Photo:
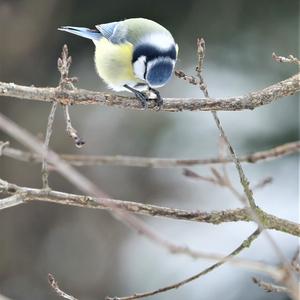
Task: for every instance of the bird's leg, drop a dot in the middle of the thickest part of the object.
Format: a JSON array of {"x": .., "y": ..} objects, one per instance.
[
  {"x": 158, "y": 100},
  {"x": 140, "y": 95}
]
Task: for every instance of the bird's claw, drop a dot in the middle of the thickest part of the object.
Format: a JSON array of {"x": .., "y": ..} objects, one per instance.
[
  {"x": 158, "y": 100},
  {"x": 143, "y": 99}
]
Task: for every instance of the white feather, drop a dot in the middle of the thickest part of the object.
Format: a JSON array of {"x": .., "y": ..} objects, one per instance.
[{"x": 139, "y": 67}]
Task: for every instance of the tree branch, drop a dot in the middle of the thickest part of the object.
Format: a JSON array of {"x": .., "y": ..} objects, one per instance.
[
  {"x": 235, "y": 215},
  {"x": 254, "y": 210},
  {"x": 87, "y": 186},
  {"x": 245, "y": 244},
  {"x": 53, "y": 283},
  {"x": 290, "y": 59},
  {"x": 153, "y": 162},
  {"x": 45, "y": 168},
  {"x": 252, "y": 100},
  {"x": 269, "y": 287}
]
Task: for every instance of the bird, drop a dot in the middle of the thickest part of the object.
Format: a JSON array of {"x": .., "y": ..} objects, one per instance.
[{"x": 136, "y": 55}]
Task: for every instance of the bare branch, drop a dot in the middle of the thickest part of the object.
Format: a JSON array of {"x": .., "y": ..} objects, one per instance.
[
  {"x": 253, "y": 209},
  {"x": 252, "y": 100},
  {"x": 245, "y": 244},
  {"x": 153, "y": 162},
  {"x": 84, "y": 184},
  {"x": 71, "y": 131},
  {"x": 290, "y": 59},
  {"x": 45, "y": 171},
  {"x": 53, "y": 283},
  {"x": 65, "y": 85},
  {"x": 215, "y": 217},
  {"x": 11, "y": 201},
  {"x": 269, "y": 287}
]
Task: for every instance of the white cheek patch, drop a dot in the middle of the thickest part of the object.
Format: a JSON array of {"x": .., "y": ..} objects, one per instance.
[{"x": 139, "y": 67}]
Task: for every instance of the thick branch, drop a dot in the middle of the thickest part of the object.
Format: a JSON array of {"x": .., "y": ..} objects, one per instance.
[
  {"x": 29, "y": 194},
  {"x": 281, "y": 89}
]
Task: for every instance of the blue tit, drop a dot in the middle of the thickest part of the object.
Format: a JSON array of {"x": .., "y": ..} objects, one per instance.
[{"x": 137, "y": 55}]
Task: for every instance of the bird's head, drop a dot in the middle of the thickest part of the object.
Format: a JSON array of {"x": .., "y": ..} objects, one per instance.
[{"x": 154, "y": 59}]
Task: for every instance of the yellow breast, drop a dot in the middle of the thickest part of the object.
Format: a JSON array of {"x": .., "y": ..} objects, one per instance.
[{"x": 113, "y": 63}]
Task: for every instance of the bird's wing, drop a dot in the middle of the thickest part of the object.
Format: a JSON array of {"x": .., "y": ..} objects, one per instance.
[
  {"x": 84, "y": 32},
  {"x": 113, "y": 32}
]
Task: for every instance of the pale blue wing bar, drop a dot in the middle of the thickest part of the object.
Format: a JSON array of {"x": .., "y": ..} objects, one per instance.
[{"x": 113, "y": 32}]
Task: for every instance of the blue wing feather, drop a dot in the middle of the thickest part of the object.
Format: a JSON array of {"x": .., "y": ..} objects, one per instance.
[
  {"x": 83, "y": 32},
  {"x": 107, "y": 30},
  {"x": 114, "y": 33}
]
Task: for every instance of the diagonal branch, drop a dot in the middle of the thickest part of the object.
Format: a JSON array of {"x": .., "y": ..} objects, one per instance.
[
  {"x": 254, "y": 210},
  {"x": 245, "y": 244},
  {"x": 252, "y": 100},
  {"x": 87, "y": 186},
  {"x": 53, "y": 283}
]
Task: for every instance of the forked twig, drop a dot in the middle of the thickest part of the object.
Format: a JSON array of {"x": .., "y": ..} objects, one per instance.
[
  {"x": 254, "y": 210},
  {"x": 66, "y": 84}
]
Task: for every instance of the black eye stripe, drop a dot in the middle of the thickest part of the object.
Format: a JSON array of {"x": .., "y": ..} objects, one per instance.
[
  {"x": 145, "y": 73},
  {"x": 151, "y": 52}
]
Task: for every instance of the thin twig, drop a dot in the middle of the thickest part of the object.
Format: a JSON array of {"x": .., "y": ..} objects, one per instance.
[
  {"x": 290, "y": 59},
  {"x": 245, "y": 244},
  {"x": 154, "y": 162},
  {"x": 254, "y": 210},
  {"x": 90, "y": 188},
  {"x": 45, "y": 169},
  {"x": 223, "y": 180},
  {"x": 72, "y": 132},
  {"x": 250, "y": 101},
  {"x": 214, "y": 217},
  {"x": 66, "y": 85},
  {"x": 53, "y": 283},
  {"x": 262, "y": 183},
  {"x": 269, "y": 287}
]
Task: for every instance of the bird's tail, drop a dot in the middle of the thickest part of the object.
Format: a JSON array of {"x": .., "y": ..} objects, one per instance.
[{"x": 84, "y": 32}]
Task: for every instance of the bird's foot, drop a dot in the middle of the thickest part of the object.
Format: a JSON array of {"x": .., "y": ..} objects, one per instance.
[
  {"x": 158, "y": 100},
  {"x": 139, "y": 95}
]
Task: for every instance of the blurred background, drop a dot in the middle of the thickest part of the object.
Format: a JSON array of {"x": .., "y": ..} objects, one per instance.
[{"x": 90, "y": 253}]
